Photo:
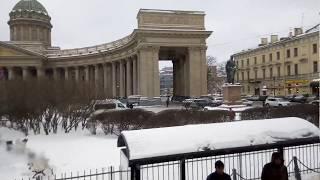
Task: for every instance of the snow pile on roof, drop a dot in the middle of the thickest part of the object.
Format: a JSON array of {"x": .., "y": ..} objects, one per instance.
[{"x": 193, "y": 138}]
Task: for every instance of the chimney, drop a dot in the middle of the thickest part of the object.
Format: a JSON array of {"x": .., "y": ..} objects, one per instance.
[
  {"x": 297, "y": 31},
  {"x": 264, "y": 41},
  {"x": 274, "y": 38}
]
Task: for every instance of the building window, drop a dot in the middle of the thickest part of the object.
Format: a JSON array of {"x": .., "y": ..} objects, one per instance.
[
  {"x": 278, "y": 55},
  {"x": 314, "y": 48},
  {"x": 237, "y": 62},
  {"x": 255, "y": 74},
  {"x": 270, "y": 57},
  {"x": 248, "y": 89},
  {"x": 263, "y": 58},
  {"x": 255, "y": 60},
  {"x": 248, "y": 74},
  {"x": 271, "y": 72},
  {"x": 248, "y": 63},
  {"x": 315, "y": 66},
  {"x": 278, "y": 71},
  {"x": 295, "y": 52},
  {"x": 242, "y": 76},
  {"x": 288, "y": 70},
  {"x": 288, "y": 53},
  {"x": 263, "y": 73},
  {"x": 242, "y": 63},
  {"x": 296, "y": 71}
]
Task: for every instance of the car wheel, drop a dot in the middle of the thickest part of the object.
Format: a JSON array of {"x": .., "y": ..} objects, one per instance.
[
  {"x": 267, "y": 105},
  {"x": 280, "y": 105}
]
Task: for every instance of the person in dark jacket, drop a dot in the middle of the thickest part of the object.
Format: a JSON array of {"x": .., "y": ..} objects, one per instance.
[
  {"x": 275, "y": 170},
  {"x": 219, "y": 173}
]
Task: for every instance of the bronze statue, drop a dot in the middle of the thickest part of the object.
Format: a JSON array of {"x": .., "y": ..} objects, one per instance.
[{"x": 231, "y": 70}]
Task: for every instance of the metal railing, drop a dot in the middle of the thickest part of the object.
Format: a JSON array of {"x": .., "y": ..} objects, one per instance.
[
  {"x": 246, "y": 165},
  {"x": 303, "y": 159}
]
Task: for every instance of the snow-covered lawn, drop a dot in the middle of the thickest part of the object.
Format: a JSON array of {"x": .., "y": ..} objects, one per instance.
[{"x": 76, "y": 151}]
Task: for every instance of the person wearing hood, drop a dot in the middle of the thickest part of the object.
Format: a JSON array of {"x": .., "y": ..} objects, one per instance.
[{"x": 275, "y": 170}]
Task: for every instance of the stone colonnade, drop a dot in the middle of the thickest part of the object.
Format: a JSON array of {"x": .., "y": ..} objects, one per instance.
[
  {"x": 113, "y": 79},
  {"x": 137, "y": 74}
]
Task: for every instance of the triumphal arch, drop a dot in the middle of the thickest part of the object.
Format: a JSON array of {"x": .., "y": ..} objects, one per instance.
[{"x": 128, "y": 66}]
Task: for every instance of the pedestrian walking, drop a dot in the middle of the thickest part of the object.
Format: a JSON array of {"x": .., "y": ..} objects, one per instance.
[
  {"x": 219, "y": 174},
  {"x": 168, "y": 101},
  {"x": 232, "y": 114},
  {"x": 275, "y": 170}
]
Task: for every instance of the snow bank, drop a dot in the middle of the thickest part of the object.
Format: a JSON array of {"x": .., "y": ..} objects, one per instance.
[
  {"x": 192, "y": 138},
  {"x": 7, "y": 134}
]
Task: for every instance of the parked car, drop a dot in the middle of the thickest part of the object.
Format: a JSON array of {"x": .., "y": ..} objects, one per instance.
[
  {"x": 134, "y": 100},
  {"x": 215, "y": 100},
  {"x": 297, "y": 98},
  {"x": 101, "y": 106},
  {"x": 247, "y": 102},
  {"x": 179, "y": 99},
  {"x": 276, "y": 102},
  {"x": 197, "y": 103},
  {"x": 315, "y": 102},
  {"x": 253, "y": 98}
]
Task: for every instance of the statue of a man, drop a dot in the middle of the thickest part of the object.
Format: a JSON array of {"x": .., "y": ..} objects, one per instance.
[{"x": 230, "y": 70}]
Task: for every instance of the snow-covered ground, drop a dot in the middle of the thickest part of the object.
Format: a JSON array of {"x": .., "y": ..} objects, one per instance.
[
  {"x": 76, "y": 151},
  {"x": 313, "y": 176}
]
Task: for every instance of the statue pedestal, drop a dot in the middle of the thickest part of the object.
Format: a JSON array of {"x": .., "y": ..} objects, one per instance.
[{"x": 232, "y": 94}]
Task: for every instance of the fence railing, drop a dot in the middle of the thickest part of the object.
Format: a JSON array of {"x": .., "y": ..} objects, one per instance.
[{"x": 299, "y": 160}]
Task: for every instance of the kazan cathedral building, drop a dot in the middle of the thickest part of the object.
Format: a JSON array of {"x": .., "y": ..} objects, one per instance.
[{"x": 128, "y": 66}]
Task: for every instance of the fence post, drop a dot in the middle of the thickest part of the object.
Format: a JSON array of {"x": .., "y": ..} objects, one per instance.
[
  {"x": 135, "y": 172},
  {"x": 183, "y": 169},
  {"x": 296, "y": 169},
  {"x": 234, "y": 174},
  {"x": 111, "y": 173}
]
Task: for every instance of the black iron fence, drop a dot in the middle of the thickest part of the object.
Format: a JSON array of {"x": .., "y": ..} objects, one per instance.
[{"x": 300, "y": 160}]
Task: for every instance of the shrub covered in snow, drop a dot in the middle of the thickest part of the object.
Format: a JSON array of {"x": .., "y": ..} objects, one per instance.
[
  {"x": 304, "y": 111},
  {"x": 45, "y": 105},
  {"x": 114, "y": 122}
]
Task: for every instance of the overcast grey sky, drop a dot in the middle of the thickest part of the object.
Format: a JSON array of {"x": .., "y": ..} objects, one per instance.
[{"x": 237, "y": 24}]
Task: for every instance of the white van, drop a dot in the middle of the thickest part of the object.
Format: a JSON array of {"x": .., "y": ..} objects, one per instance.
[{"x": 107, "y": 105}]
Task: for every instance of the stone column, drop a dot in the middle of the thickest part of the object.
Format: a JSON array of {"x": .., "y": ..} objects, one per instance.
[
  {"x": 196, "y": 80},
  {"x": 66, "y": 73},
  {"x": 134, "y": 76},
  {"x": 11, "y": 75},
  {"x": 114, "y": 80},
  {"x": 129, "y": 77},
  {"x": 105, "y": 79},
  {"x": 40, "y": 73},
  {"x": 204, "y": 70},
  {"x": 156, "y": 75},
  {"x": 121, "y": 79},
  {"x": 25, "y": 73},
  {"x": 174, "y": 77},
  {"x": 96, "y": 75},
  {"x": 77, "y": 73},
  {"x": 86, "y": 73},
  {"x": 55, "y": 73},
  {"x": 148, "y": 65}
]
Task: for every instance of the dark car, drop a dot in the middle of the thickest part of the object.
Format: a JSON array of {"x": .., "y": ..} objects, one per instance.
[
  {"x": 179, "y": 98},
  {"x": 297, "y": 99}
]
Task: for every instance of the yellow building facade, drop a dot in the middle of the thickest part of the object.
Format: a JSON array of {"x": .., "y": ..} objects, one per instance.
[{"x": 281, "y": 67}]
